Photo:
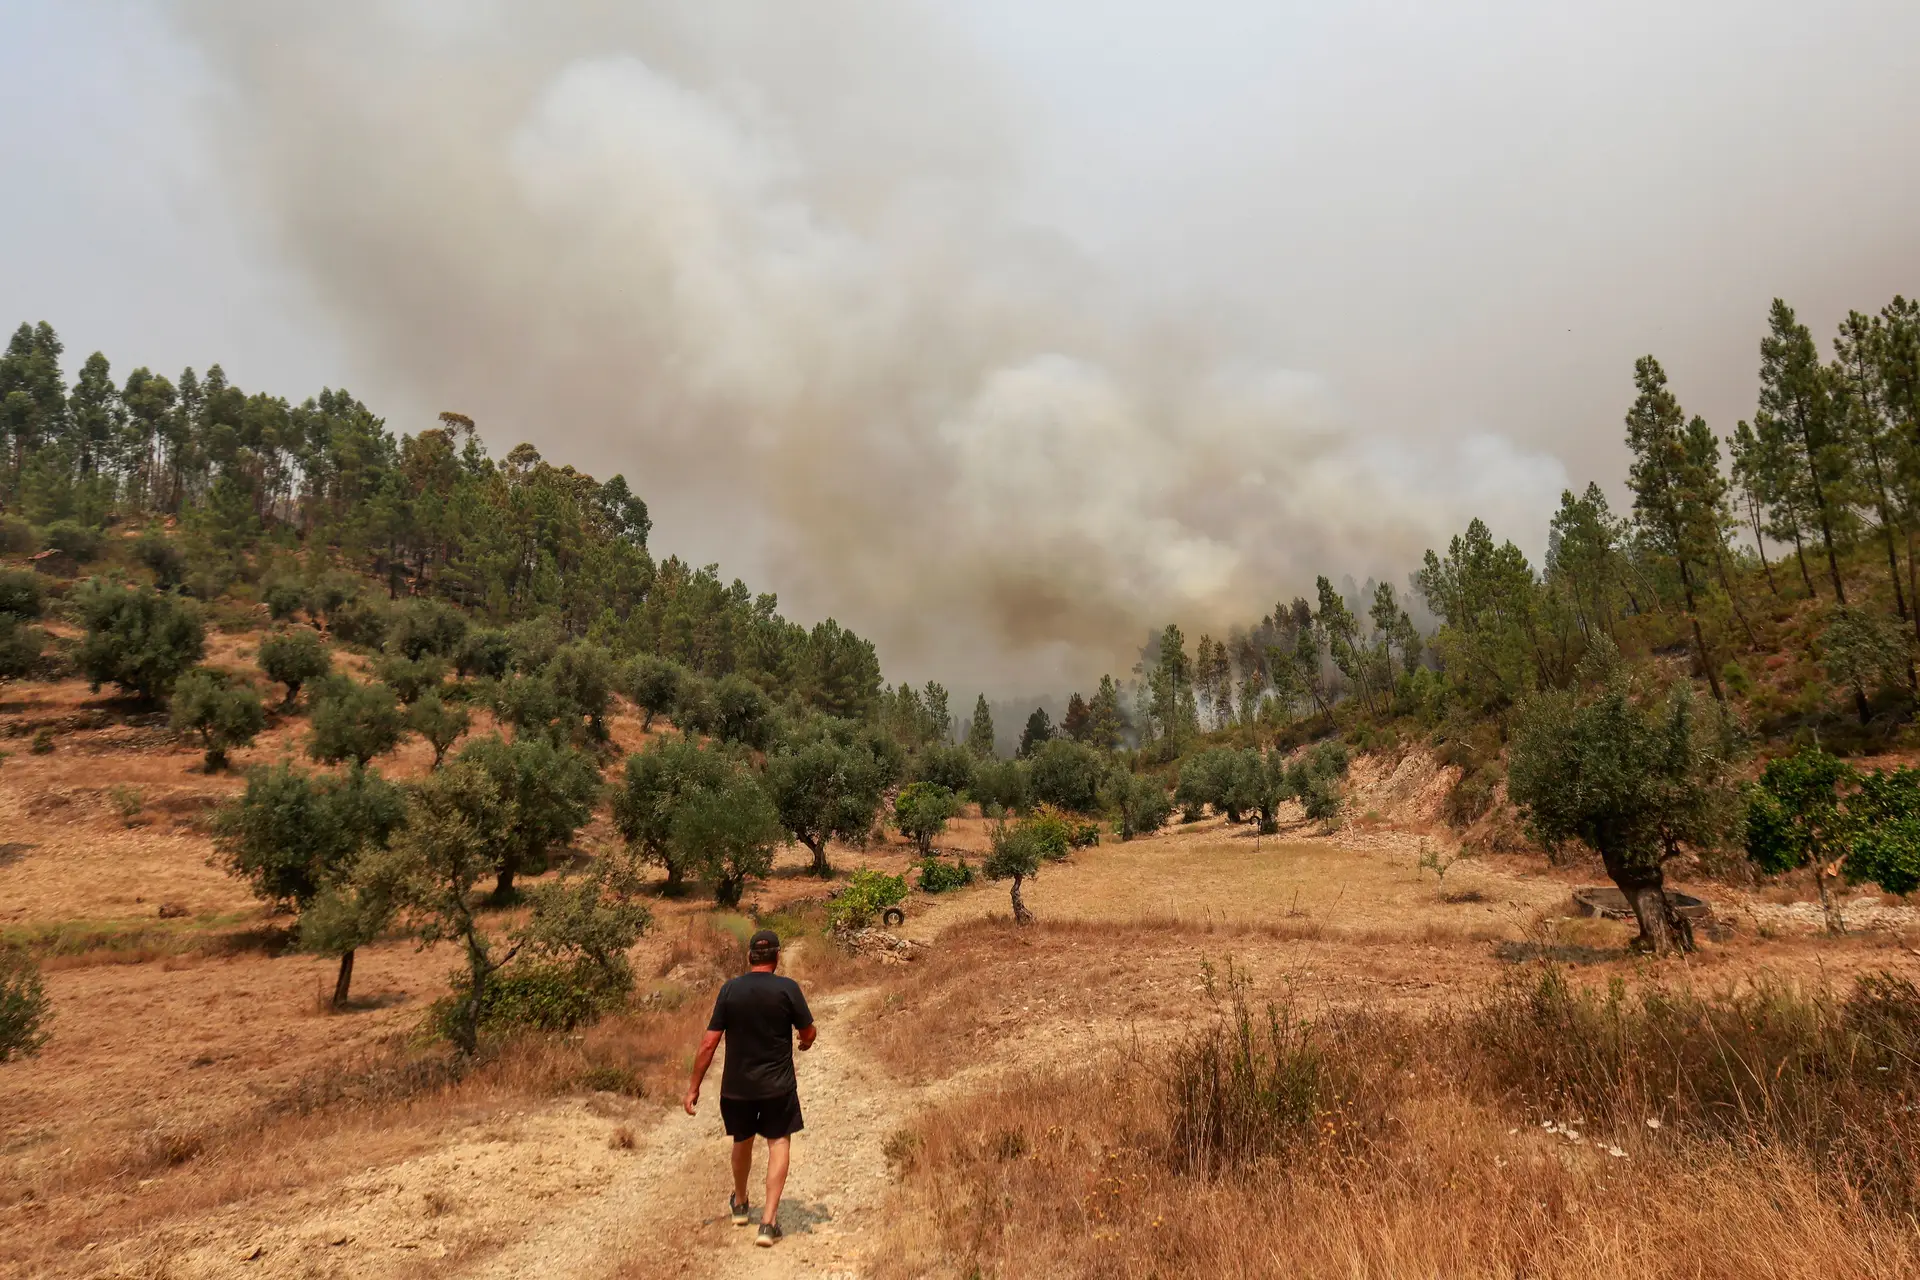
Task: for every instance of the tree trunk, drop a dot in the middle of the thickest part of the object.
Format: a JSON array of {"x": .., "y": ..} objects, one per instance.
[
  {"x": 1020, "y": 913},
  {"x": 1822, "y": 873},
  {"x": 1760, "y": 541},
  {"x": 344, "y": 981},
  {"x": 503, "y": 886},
  {"x": 1661, "y": 929},
  {"x": 1699, "y": 636},
  {"x": 821, "y": 867},
  {"x": 1800, "y": 553},
  {"x": 1726, "y": 580}
]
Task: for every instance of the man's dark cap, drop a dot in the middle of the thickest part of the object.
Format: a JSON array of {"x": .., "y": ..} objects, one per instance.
[{"x": 763, "y": 946}]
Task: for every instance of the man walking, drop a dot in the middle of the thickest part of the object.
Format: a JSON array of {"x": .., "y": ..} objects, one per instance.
[{"x": 757, "y": 1012}]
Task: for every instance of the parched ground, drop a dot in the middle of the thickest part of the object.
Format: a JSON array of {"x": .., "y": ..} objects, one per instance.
[{"x": 200, "y": 1113}]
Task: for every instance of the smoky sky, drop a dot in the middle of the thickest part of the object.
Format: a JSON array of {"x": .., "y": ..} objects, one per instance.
[{"x": 1001, "y": 332}]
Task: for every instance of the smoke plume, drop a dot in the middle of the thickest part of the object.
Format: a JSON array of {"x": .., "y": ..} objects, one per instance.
[{"x": 764, "y": 258}]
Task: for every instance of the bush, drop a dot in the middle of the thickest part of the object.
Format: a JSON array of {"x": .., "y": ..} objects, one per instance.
[
  {"x": 20, "y": 594},
  {"x": 937, "y": 875},
  {"x": 865, "y": 896},
  {"x": 140, "y": 640},
  {"x": 426, "y": 627},
  {"x": 652, "y": 684},
  {"x": 1066, "y": 773},
  {"x": 162, "y": 557},
  {"x": 1001, "y": 784},
  {"x": 23, "y": 1006},
  {"x": 742, "y": 712},
  {"x": 20, "y": 604},
  {"x": 1141, "y": 803},
  {"x": 283, "y": 599},
  {"x": 583, "y": 677},
  {"x": 354, "y": 721},
  {"x": 947, "y": 765},
  {"x": 534, "y": 642},
  {"x": 486, "y": 654},
  {"x": 358, "y": 620},
  {"x": 75, "y": 540},
  {"x": 540, "y": 995},
  {"x": 1056, "y": 834},
  {"x": 16, "y": 536},
  {"x": 224, "y": 712},
  {"x": 921, "y": 810},
  {"x": 440, "y": 724},
  {"x": 409, "y": 678},
  {"x": 293, "y": 658}
]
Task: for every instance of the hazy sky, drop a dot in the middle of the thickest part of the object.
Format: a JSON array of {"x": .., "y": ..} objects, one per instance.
[{"x": 1000, "y": 330}]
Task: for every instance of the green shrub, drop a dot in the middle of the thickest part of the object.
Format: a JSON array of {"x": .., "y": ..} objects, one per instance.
[
  {"x": 358, "y": 620},
  {"x": 23, "y": 1006},
  {"x": 1001, "y": 784},
  {"x": 162, "y": 558},
  {"x": 283, "y": 598},
  {"x": 935, "y": 874},
  {"x": 409, "y": 678},
  {"x": 73, "y": 539},
  {"x": 866, "y": 894},
  {"x": 652, "y": 684},
  {"x": 1140, "y": 803},
  {"x": 354, "y": 721},
  {"x": 485, "y": 654},
  {"x": 921, "y": 810},
  {"x": 20, "y": 594},
  {"x": 1067, "y": 774},
  {"x": 426, "y": 627},
  {"x": 224, "y": 712},
  {"x": 16, "y": 536},
  {"x": 140, "y": 640},
  {"x": 539, "y": 995},
  {"x": 293, "y": 658},
  {"x": 948, "y": 765}
]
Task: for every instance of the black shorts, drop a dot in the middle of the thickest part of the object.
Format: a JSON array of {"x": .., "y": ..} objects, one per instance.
[{"x": 747, "y": 1118}]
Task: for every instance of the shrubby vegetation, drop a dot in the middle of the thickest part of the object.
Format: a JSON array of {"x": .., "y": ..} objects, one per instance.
[{"x": 23, "y": 1006}]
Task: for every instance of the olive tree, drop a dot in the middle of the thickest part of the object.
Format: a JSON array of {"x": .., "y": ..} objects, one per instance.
[
  {"x": 652, "y": 684},
  {"x": 224, "y": 712},
  {"x": 648, "y": 799},
  {"x": 1632, "y": 776},
  {"x": 1016, "y": 854},
  {"x": 440, "y": 722},
  {"x": 298, "y": 839},
  {"x": 583, "y": 677},
  {"x": 921, "y": 810},
  {"x": 141, "y": 640},
  {"x": 293, "y": 658},
  {"x": 728, "y": 830},
  {"x": 825, "y": 790},
  {"x": 549, "y": 793},
  {"x": 353, "y": 721}
]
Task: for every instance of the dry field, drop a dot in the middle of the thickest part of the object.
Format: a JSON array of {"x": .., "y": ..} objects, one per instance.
[{"x": 991, "y": 1105}]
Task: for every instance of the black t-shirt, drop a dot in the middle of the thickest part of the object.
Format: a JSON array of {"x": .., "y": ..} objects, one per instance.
[{"x": 759, "y": 1013}]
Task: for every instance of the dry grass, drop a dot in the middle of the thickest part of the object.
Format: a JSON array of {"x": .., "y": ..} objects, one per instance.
[{"x": 1365, "y": 1144}]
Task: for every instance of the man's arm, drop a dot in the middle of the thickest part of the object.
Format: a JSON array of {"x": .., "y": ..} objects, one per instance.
[
  {"x": 807, "y": 1033},
  {"x": 701, "y": 1061}
]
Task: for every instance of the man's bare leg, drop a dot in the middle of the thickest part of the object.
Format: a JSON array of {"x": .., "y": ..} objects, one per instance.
[
  {"x": 742, "y": 1166},
  {"x": 778, "y": 1150}
]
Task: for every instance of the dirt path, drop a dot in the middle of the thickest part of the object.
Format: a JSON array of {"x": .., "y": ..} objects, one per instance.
[{"x": 664, "y": 1213}]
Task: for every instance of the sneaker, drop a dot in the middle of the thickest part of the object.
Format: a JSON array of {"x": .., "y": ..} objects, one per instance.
[
  {"x": 738, "y": 1211},
  {"x": 769, "y": 1233}
]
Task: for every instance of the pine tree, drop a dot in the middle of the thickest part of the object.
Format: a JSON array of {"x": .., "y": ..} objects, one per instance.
[
  {"x": 1078, "y": 722},
  {"x": 1796, "y": 402},
  {"x": 1667, "y": 497},
  {"x": 1107, "y": 721},
  {"x": 1872, "y": 438},
  {"x": 980, "y": 732}
]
